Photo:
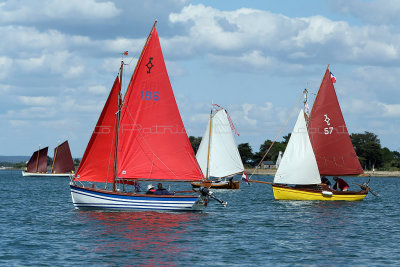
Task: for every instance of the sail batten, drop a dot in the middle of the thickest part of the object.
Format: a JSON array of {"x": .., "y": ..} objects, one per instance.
[
  {"x": 328, "y": 134},
  {"x": 219, "y": 150}
]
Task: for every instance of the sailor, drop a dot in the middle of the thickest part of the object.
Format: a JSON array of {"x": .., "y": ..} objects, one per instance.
[
  {"x": 150, "y": 189},
  {"x": 340, "y": 184},
  {"x": 326, "y": 181},
  {"x": 161, "y": 191}
]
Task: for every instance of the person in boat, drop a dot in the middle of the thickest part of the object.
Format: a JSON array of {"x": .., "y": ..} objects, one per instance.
[
  {"x": 340, "y": 184},
  {"x": 150, "y": 189},
  {"x": 161, "y": 191},
  {"x": 326, "y": 181}
]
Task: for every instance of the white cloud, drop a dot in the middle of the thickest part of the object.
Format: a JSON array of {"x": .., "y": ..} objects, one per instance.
[
  {"x": 41, "y": 10},
  {"x": 38, "y": 100},
  {"x": 278, "y": 36},
  {"x": 98, "y": 89}
]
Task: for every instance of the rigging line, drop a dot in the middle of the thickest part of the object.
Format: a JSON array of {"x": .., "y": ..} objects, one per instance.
[{"x": 279, "y": 133}]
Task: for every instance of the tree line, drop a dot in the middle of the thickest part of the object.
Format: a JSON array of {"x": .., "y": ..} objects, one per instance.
[{"x": 367, "y": 146}]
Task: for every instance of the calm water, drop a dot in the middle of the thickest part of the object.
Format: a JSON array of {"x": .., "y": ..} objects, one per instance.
[{"x": 39, "y": 226}]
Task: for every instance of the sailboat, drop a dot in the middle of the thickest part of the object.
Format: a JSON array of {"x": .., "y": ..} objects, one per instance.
[
  {"x": 321, "y": 148},
  {"x": 218, "y": 155},
  {"x": 138, "y": 138},
  {"x": 63, "y": 164},
  {"x": 37, "y": 164}
]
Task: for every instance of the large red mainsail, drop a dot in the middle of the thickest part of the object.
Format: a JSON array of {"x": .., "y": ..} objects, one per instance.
[
  {"x": 328, "y": 134},
  {"x": 97, "y": 163},
  {"x": 153, "y": 143},
  {"x": 38, "y": 161},
  {"x": 63, "y": 162}
]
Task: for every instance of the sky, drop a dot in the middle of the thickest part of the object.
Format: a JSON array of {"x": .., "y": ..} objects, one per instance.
[{"x": 59, "y": 59}]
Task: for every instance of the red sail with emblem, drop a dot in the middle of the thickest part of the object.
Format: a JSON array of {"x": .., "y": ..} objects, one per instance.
[
  {"x": 329, "y": 136},
  {"x": 97, "y": 164},
  {"x": 153, "y": 144}
]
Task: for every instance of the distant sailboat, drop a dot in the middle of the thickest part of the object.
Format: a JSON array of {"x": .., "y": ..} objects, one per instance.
[
  {"x": 139, "y": 138},
  {"x": 218, "y": 155},
  {"x": 322, "y": 148},
  {"x": 63, "y": 164},
  {"x": 37, "y": 164}
]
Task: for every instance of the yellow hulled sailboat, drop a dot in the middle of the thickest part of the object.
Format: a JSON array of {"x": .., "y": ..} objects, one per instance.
[{"x": 323, "y": 147}]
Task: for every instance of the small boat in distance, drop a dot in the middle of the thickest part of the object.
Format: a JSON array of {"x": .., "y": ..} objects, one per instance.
[
  {"x": 62, "y": 166},
  {"x": 218, "y": 155},
  {"x": 138, "y": 138},
  {"x": 37, "y": 164}
]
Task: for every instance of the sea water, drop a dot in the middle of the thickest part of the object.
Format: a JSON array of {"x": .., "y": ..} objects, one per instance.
[{"x": 39, "y": 226}]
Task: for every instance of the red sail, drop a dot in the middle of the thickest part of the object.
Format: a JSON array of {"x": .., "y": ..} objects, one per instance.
[
  {"x": 63, "y": 162},
  {"x": 153, "y": 143},
  {"x": 38, "y": 161},
  {"x": 97, "y": 163},
  {"x": 328, "y": 133}
]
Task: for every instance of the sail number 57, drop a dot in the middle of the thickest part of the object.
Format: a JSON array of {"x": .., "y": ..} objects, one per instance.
[
  {"x": 328, "y": 130},
  {"x": 149, "y": 95}
]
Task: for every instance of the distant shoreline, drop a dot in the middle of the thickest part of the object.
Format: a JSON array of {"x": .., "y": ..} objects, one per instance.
[{"x": 366, "y": 173}]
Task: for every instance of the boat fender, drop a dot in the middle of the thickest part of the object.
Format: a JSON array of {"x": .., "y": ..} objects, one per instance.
[{"x": 327, "y": 193}]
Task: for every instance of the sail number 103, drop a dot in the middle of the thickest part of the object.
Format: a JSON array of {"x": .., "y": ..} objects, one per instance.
[{"x": 149, "y": 95}]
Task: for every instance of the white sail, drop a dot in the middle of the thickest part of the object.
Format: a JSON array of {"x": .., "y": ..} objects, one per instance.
[
  {"x": 224, "y": 157},
  {"x": 298, "y": 165},
  {"x": 279, "y": 159}
]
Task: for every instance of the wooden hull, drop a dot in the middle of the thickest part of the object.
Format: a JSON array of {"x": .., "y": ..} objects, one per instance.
[
  {"x": 97, "y": 199},
  {"x": 38, "y": 174},
  {"x": 217, "y": 185},
  {"x": 283, "y": 192}
]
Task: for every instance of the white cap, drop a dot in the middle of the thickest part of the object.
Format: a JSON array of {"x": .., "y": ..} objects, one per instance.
[{"x": 150, "y": 186}]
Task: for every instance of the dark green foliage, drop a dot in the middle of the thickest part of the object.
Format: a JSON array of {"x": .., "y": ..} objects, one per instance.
[
  {"x": 195, "y": 142},
  {"x": 246, "y": 153},
  {"x": 368, "y": 149}
]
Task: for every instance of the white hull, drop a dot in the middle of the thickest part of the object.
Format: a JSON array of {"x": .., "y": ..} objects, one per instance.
[
  {"x": 87, "y": 198},
  {"x": 46, "y": 174}
]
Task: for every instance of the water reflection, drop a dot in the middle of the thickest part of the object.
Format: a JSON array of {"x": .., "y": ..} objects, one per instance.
[{"x": 149, "y": 238}]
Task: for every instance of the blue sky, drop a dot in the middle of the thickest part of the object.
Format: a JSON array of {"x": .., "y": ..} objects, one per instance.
[{"x": 58, "y": 60}]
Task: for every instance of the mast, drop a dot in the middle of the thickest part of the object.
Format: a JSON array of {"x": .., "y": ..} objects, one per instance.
[
  {"x": 117, "y": 126},
  {"x": 37, "y": 159},
  {"x": 55, "y": 155},
  {"x": 209, "y": 143}
]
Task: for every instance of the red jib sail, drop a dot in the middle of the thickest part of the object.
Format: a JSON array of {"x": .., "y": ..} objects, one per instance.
[
  {"x": 63, "y": 162},
  {"x": 38, "y": 161},
  {"x": 97, "y": 163},
  {"x": 328, "y": 134},
  {"x": 153, "y": 143}
]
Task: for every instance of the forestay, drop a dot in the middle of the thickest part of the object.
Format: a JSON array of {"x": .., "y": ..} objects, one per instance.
[{"x": 298, "y": 165}]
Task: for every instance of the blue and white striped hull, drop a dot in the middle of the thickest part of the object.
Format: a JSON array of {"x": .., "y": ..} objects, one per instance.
[{"x": 87, "y": 198}]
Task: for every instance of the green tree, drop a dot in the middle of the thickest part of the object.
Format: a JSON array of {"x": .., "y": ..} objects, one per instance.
[
  {"x": 195, "y": 142},
  {"x": 368, "y": 148},
  {"x": 273, "y": 152},
  {"x": 246, "y": 153}
]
